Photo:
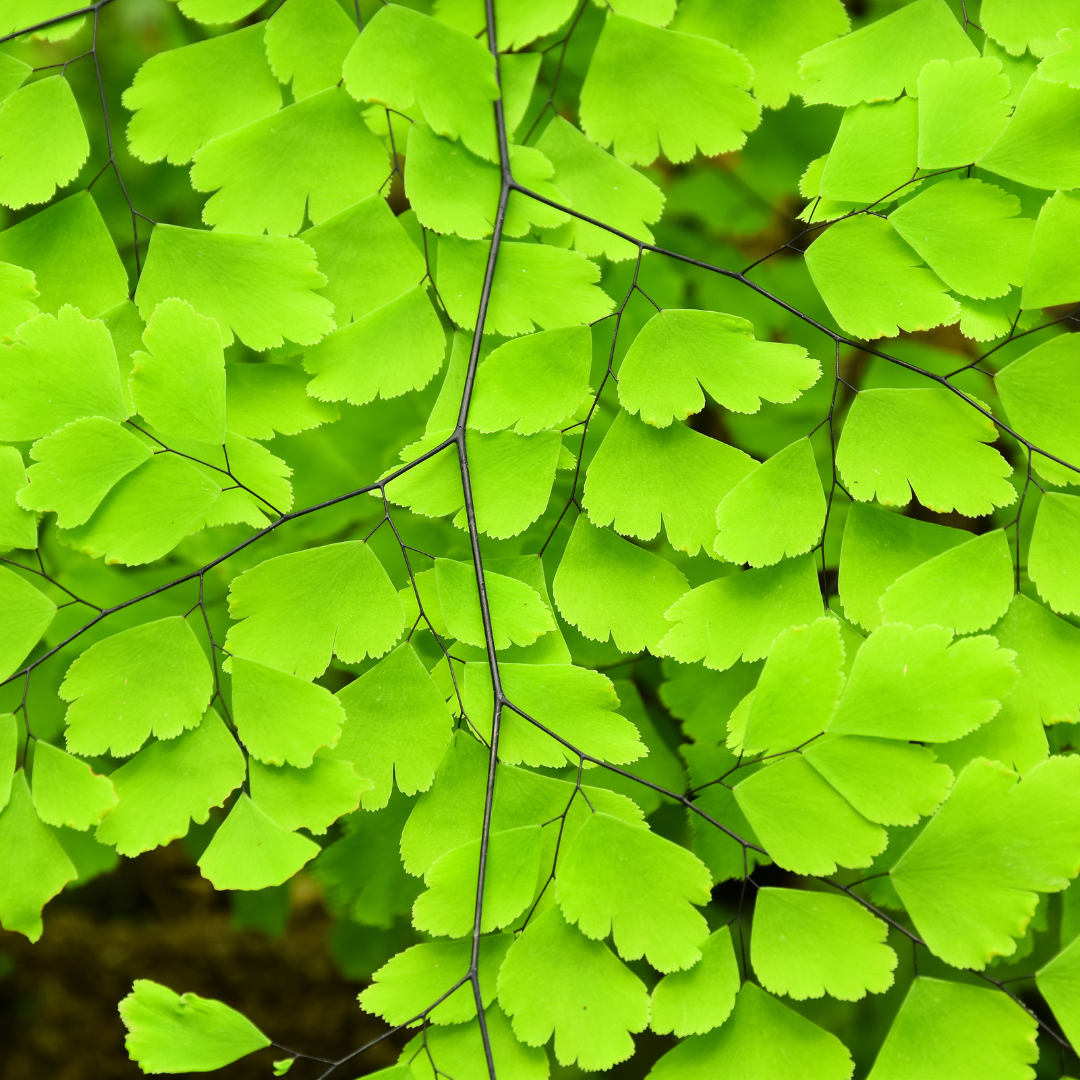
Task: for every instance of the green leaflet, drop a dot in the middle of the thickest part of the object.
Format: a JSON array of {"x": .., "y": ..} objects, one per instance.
[
  {"x": 981, "y": 572},
  {"x": 307, "y": 42},
  {"x": 878, "y": 548},
  {"x": 1035, "y": 148},
  {"x": 1033, "y": 390},
  {"x": 518, "y": 614},
  {"x": 751, "y": 529},
  {"x": 919, "y": 684},
  {"x": 806, "y": 944},
  {"x": 873, "y": 154},
  {"x": 250, "y": 851},
  {"x": 637, "y": 78},
  {"x": 798, "y": 689},
  {"x": 311, "y": 798},
  {"x": 606, "y": 587},
  {"x": 170, "y": 783},
  {"x": 802, "y": 822},
  {"x": 147, "y": 513},
  {"x": 1058, "y": 983},
  {"x": 401, "y": 59},
  {"x": 42, "y": 142},
  {"x": 872, "y": 281},
  {"x": 59, "y": 368},
  {"x": 953, "y": 1030},
  {"x": 18, "y": 527},
  {"x": 897, "y": 442},
  {"x": 216, "y": 11},
  {"x": 534, "y": 284},
  {"x": 78, "y": 466},
  {"x": 184, "y": 98},
  {"x": 517, "y": 21},
  {"x": 883, "y": 59},
  {"x": 301, "y": 608},
  {"x": 1052, "y": 562},
  {"x": 66, "y": 791},
  {"x": 367, "y": 257},
  {"x": 394, "y": 349},
  {"x": 703, "y": 699},
  {"x": 642, "y": 474},
  {"x": 27, "y": 613},
  {"x": 17, "y": 294},
  {"x": 319, "y": 151},
  {"x": 178, "y": 386},
  {"x": 962, "y": 110},
  {"x": 968, "y": 233},
  {"x": 510, "y": 883},
  {"x": 771, "y": 35},
  {"x": 742, "y": 614},
  {"x": 534, "y": 382},
  {"x": 396, "y": 726},
  {"x": 623, "y": 879},
  {"x": 261, "y": 399},
  {"x": 71, "y": 254},
  {"x": 281, "y": 718},
  {"x": 454, "y": 190},
  {"x": 600, "y": 1003},
  {"x": 9, "y": 749},
  {"x": 151, "y": 678},
  {"x": 170, "y": 1032},
  {"x": 461, "y": 1049},
  {"x": 259, "y": 288},
  {"x": 1052, "y": 276},
  {"x": 1062, "y": 66},
  {"x": 408, "y": 984},
  {"x": 1033, "y": 26},
  {"x": 697, "y": 1000},
  {"x": 43, "y": 866},
  {"x": 574, "y": 703},
  {"x": 677, "y": 350},
  {"x": 969, "y": 878},
  {"x": 887, "y": 781},
  {"x": 511, "y": 479},
  {"x": 600, "y": 186},
  {"x": 761, "y": 1039}
]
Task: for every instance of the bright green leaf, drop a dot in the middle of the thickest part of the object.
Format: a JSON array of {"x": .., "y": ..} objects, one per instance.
[
  {"x": 1052, "y": 276},
  {"x": 642, "y": 474},
  {"x": 249, "y": 851},
  {"x": 742, "y": 614},
  {"x": 874, "y": 152},
  {"x": 1052, "y": 558},
  {"x": 307, "y": 42},
  {"x": 261, "y": 399},
  {"x": 258, "y": 287},
  {"x": 185, "y": 97},
  {"x": 970, "y": 878},
  {"x": 697, "y": 1000},
  {"x": 607, "y": 586},
  {"x": 26, "y": 615},
  {"x": 319, "y": 151},
  {"x": 533, "y": 382},
  {"x": 926, "y": 442},
  {"x": 311, "y": 798},
  {"x": 640, "y": 76},
  {"x": 43, "y": 868},
  {"x": 678, "y": 349},
  {"x": 775, "y": 512},
  {"x": 151, "y": 678},
  {"x": 396, "y": 727},
  {"x": 962, "y": 110},
  {"x": 600, "y": 1001},
  {"x": 873, "y": 282},
  {"x": 301, "y": 608},
  {"x": 171, "y": 783},
  {"x": 282, "y": 718},
  {"x": 169, "y": 1032},
  {"x": 67, "y": 791},
  {"x": 42, "y": 142}
]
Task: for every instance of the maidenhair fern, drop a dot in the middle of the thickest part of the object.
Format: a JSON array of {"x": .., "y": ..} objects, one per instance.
[{"x": 619, "y": 631}]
